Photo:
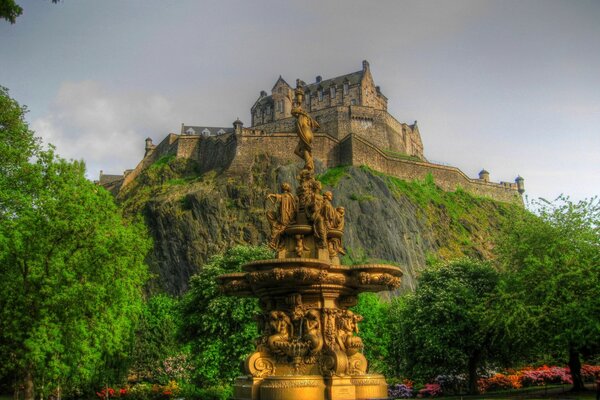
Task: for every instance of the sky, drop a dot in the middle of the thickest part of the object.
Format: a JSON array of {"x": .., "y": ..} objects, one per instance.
[{"x": 509, "y": 86}]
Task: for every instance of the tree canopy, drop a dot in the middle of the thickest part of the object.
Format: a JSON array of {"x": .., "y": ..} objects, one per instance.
[
  {"x": 551, "y": 285},
  {"x": 440, "y": 330},
  {"x": 71, "y": 269},
  {"x": 220, "y": 329}
]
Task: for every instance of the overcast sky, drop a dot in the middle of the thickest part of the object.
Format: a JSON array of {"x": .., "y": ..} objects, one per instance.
[{"x": 509, "y": 86}]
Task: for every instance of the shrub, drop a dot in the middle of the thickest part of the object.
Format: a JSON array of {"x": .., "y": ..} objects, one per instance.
[{"x": 400, "y": 391}]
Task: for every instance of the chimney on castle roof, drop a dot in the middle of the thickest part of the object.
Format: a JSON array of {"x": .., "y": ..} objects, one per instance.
[
  {"x": 365, "y": 65},
  {"x": 263, "y": 93},
  {"x": 319, "y": 78}
]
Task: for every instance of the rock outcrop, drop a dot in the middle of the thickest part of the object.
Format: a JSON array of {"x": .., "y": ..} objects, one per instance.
[{"x": 192, "y": 217}]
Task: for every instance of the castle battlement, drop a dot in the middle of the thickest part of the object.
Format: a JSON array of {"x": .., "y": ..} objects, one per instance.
[{"x": 355, "y": 129}]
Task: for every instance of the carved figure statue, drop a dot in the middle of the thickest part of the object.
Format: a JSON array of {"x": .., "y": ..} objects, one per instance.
[
  {"x": 283, "y": 216},
  {"x": 280, "y": 326},
  {"x": 305, "y": 125},
  {"x": 335, "y": 243},
  {"x": 330, "y": 216},
  {"x": 312, "y": 331},
  {"x": 347, "y": 326},
  {"x": 315, "y": 215},
  {"x": 304, "y": 191}
]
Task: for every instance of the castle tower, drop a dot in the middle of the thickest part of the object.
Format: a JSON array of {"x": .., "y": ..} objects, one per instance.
[
  {"x": 238, "y": 126},
  {"x": 149, "y": 146},
  {"x": 484, "y": 175},
  {"x": 282, "y": 99},
  {"x": 520, "y": 184}
]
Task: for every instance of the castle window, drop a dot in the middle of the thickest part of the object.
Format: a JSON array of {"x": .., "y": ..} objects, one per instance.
[
  {"x": 268, "y": 110},
  {"x": 220, "y": 132},
  {"x": 280, "y": 105},
  {"x": 279, "y": 89},
  {"x": 346, "y": 87},
  {"x": 332, "y": 92},
  {"x": 321, "y": 94},
  {"x": 353, "y": 102},
  {"x": 190, "y": 131},
  {"x": 205, "y": 132}
]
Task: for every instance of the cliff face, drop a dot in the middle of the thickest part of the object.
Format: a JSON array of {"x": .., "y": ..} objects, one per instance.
[{"x": 192, "y": 216}]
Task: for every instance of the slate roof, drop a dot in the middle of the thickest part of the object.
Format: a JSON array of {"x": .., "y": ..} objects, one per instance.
[{"x": 352, "y": 78}]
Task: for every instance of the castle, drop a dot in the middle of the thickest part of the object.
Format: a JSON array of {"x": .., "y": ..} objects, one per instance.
[{"x": 355, "y": 129}]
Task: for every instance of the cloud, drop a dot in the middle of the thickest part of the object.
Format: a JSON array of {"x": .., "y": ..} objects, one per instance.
[{"x": 103, "y": 126}]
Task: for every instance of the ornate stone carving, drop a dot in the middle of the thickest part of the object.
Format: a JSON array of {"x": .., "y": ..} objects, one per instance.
[
  {"x": 280, "y": 326},
  {"x": 283, "y": 216},
  {"x": 260, "y": 365},
  {"x": 312, "y": 331},
  {"x": 347, "y": 325}
]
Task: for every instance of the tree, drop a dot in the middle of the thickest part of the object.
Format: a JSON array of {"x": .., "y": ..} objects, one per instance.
[
  {"x": 220, "y": 329},
  {"x": 552, "y": 284},
  {"x": 71, "y": 269},
  {"x": 440, "y": 328},
  {"x": 9, "y": 10},
  {"x": 375, "y": 332},
  {"x": 156, "y": 336}
]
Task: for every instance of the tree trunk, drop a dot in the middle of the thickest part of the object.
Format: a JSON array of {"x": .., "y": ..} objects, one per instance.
[
  {"x": 28, "y": 391},
  {"x": 575, "y": 367},
  {"x": 473, "y": 363}
]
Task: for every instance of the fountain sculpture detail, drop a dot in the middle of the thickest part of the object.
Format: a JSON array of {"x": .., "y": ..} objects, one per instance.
[{"x": 309, "y": 348}]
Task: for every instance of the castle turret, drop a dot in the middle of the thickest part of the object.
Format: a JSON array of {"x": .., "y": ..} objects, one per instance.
[
  {"x": 520, "y": 184},
  {"x": 484, "y": 175},
  {"x": 149, "y": 146},
  {"x": 238, "y": 126}
]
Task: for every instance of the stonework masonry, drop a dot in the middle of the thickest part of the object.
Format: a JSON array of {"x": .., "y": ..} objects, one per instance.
[{"x": 356, "y": 129}]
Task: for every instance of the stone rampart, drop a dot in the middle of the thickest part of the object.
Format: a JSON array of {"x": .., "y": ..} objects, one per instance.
[
  {"x": 166, "y": 147},
  {"x": 357, "y": 151},
  {"x": 236, "y": 153}
]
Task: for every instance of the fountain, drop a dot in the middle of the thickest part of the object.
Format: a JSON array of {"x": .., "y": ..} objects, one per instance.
[{"x": 308, "y": 348}]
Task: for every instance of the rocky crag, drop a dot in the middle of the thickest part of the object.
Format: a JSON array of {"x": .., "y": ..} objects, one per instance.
[{"x": 193, "y": 215}]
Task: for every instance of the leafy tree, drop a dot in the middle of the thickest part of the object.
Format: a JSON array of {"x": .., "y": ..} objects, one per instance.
[
  {"x": 10, "y": 10},
  {"x": 71, "y": 270},
  {"x": 375, "y": 332},
  {"x": 440, "y": 328},
  {"x": 551, "y": 291},
  {"x": 156, "y": 336},
  {"x": 220, "y": 329}
]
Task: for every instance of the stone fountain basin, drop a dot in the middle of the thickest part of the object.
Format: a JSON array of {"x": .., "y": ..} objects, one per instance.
[{"x": 308, "y": 275}]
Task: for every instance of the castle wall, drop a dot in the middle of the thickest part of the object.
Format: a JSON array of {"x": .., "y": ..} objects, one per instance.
[
  {"x": 166, "y": 147},
  {"x": 360, "y": 152},
  {"x": 280, "y": 146},
  {"x": 211, "y": 153}
]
